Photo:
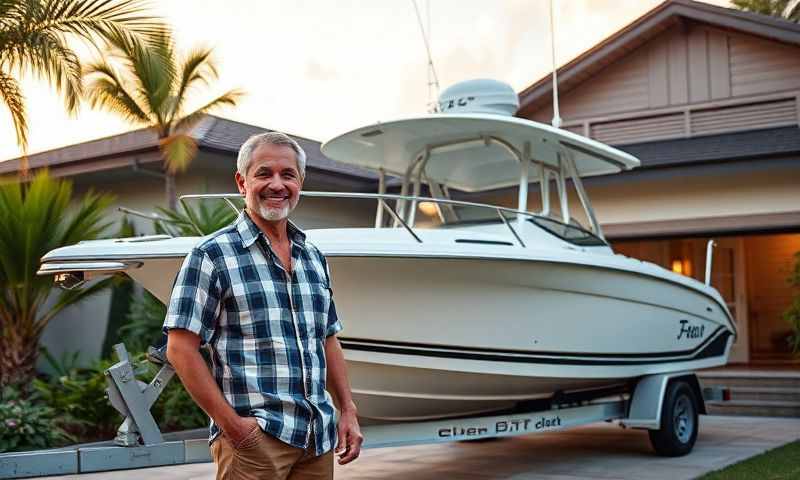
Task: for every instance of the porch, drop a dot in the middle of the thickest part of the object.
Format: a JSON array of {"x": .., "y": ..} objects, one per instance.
[{"x": 751, "y": 273}]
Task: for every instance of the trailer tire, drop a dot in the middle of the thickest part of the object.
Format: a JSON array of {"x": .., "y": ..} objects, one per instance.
[{"x": 679, "y": 421}]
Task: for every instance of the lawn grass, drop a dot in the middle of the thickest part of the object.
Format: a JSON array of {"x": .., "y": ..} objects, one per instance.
[{"x": 782, "y": 463}]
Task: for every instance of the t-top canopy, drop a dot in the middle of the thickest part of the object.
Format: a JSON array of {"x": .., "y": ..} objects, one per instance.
[{"x": 471, "y": 152}]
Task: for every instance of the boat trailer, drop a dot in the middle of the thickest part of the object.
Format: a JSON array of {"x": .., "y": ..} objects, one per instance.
[{"x": 657, "y": 403}]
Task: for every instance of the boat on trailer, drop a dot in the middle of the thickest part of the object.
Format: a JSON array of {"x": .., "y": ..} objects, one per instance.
[
  {"x": 473, "y": 308},
  {"x": 459, "y": 314}
]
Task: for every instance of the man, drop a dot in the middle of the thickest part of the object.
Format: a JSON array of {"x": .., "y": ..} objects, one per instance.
[{"x": 259, "y": 295}]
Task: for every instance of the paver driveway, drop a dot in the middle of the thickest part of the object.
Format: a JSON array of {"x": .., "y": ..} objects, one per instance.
[{"x": 597, "y": 451}]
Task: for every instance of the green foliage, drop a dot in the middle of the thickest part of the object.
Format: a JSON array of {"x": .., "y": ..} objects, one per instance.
[
  {"x": 150, "y": 86},
  {"x": 66, "y": 365},
  {"x": 27, "y": 424},
  {"x": 208, "y": 217},
  {"x": 79, "y": 397},
  {"x": 792, "y": 314},
  {"x": 35, "y": 36},
  {"x": 175, "y": 408},
  {"x": 143, "y": 322},
  {"x": 775, "y": 8},
  {"x": 35, "y": 218},
  {"x": 121, "y": 295}
]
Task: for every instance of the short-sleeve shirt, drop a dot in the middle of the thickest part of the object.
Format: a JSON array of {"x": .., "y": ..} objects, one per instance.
[{"x": 266, "y": 331}]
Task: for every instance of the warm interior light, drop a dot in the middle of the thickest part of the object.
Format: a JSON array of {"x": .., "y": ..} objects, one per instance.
[
  {"x": 682, "y": 266},
  {"x": 677, "y": 266},
  {"x": 428, "y": 208}
]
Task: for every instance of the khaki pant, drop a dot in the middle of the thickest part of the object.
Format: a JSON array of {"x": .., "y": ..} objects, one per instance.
[{"x": 262, "y": 456}]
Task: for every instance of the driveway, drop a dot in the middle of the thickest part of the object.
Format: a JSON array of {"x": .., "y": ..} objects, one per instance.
[{"x": 598, "y": 451}]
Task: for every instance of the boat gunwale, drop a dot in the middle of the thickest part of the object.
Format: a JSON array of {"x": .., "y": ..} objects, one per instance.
[{"x": 699, "y": 288}]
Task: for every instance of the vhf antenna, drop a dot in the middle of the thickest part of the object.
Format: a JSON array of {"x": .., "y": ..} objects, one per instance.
[
  {"x": 556, "y": 122},
  {"x": 433, "y": 79}
]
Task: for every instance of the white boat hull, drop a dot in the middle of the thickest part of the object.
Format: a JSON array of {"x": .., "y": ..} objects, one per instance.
[
  {"x": 442, "y": 329},
  {"x": 428, "y": 340}
]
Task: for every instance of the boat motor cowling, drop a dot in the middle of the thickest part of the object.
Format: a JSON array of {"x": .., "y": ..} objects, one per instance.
[{"x": 481, "y": 95}]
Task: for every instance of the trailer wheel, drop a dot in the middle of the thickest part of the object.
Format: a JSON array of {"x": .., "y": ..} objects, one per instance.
[{"x": 679, "y": 421}]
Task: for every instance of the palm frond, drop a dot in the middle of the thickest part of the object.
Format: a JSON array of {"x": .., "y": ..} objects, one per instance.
[
  {"x": 35, "y": 35},
  {"x": 229, "y": 98},
  {"x": 35, "y": 218},
  {"x": 109, "y": 19},
  {"x": 48, "y": 56},
  {"x": 208, "y": 217},
  {"x": 15, "y": 102},
  {"x": 88, "y": 219},
  {"x": 105, "y": 89},
  {"x": 152, "y": 69},
  {"x": 178, "y": 149},
  {"x": 197, "y": 68}
]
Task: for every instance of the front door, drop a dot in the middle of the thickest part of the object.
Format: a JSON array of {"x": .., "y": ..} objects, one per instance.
[{"x": 728, "y": 277}]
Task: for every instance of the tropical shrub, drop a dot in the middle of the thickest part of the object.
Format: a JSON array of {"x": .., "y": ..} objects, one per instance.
[
  {"x": 175, "y": 408},
  {"x": 79, "y": 397},
  {"x": 35, "y": 218},
  {"x": 792, "y": 315},
  {"x": 26, "y": 423},
  {"x": 208, "y": 217},
  {"x": 143, "y": 322}
]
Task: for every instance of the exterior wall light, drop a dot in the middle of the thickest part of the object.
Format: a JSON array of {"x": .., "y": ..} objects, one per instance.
[
  {"x": 428, "y": 208},
  {"x": 682, "y": 267}
]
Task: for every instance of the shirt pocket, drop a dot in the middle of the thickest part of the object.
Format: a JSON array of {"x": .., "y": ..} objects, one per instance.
[{"x": 319, "y": 309}]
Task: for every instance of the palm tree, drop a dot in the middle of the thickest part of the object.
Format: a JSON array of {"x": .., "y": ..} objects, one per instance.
[
  {"x": 787, "y": 9},
  {"x": 150, "y": 85},
  {"x": 35, "y": 217},
  {"x": 35, "y": 36}
]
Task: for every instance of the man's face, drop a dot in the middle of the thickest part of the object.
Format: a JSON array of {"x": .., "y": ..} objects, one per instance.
[{"x": 271, "y": 186}]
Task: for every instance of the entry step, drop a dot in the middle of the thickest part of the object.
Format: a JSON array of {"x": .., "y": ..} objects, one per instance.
[{"x": 756, "y": 408}]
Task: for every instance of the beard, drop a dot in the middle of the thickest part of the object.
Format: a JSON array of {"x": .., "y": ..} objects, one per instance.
[{"x": 273, "y": 214}]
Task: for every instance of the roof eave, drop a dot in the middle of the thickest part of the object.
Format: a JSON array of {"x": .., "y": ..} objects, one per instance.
[{"x": 646, "y": 27}]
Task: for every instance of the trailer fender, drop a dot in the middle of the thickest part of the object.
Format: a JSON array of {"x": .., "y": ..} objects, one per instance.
[{"x": 648, "y": 399}]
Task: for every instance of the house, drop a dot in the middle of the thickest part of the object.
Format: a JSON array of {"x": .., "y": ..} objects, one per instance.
[
  {"x": 129, "y": 166},
  {"x": 708, "y": 98}
]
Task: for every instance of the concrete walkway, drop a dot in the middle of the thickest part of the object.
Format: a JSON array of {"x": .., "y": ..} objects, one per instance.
[{"x": 597, "y": 451}]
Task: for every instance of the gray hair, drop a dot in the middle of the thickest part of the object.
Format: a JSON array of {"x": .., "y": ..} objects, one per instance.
[{"x": 269, "y": 138}]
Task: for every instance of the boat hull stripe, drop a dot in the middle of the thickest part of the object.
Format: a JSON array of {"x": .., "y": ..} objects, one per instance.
[{"x": 713, "y": 346}]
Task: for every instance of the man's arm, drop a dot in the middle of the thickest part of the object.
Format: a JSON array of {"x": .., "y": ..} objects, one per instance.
[
  {"x": 184, "y": 355},
  {"x": 350, "y": 438}
]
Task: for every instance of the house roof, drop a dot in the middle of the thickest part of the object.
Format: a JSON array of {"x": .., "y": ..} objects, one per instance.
[
  {"x": 212, "y": 133},
  {"x": 728, "y": 146},
  {"x": 669, "y": 14}
]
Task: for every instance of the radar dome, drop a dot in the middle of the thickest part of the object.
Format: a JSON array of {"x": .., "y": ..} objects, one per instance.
[{"x": 482, "y": 95}]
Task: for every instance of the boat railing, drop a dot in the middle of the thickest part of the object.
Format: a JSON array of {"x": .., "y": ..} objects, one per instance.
[{"x": 384, "y": 200}]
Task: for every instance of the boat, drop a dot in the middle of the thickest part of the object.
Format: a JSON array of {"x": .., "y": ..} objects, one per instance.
[{"x": 454, "y": 308}]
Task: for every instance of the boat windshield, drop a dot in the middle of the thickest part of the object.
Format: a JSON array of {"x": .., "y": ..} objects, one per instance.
[
  {"x": 574, "y": 234},
  {"x": 415, "y": 213}
]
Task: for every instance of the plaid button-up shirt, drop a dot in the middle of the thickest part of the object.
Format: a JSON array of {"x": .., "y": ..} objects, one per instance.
[{"x": 267, "y": 331}]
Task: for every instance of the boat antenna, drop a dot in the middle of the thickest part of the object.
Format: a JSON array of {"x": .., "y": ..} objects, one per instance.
[
  {"x": 556, "y": 122},
  {"x": 433, "y": 79}
]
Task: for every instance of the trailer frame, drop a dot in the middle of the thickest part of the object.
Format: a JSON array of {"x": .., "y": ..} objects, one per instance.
[{"x": 140, "y": 444}]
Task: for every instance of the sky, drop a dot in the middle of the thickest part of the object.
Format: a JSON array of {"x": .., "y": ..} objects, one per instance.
[{"x": 320, "y": 68}]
